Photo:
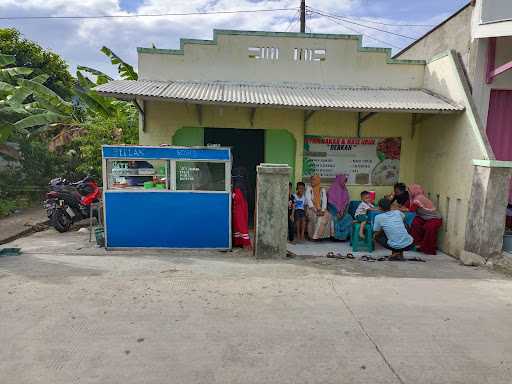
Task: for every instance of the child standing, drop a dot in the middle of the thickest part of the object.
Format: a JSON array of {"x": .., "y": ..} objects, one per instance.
[
  {"x": 300, "y": 215},
  {"x": 291, "y": 213},
  {"x": 361, "y": 214}
]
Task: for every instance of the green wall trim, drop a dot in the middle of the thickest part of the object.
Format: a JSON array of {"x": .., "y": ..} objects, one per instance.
[
  {"x": 189, "y": 137},
  {"x": 227, "y": 32},
  {"x": 280, "y": 146},
  {"x": 493, "y": 163},
  {"x": 438, "y": 56}
]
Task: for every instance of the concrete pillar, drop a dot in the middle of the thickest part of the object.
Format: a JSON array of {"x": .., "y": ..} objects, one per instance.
[
  {"x": 272, "y": 210},
  {"x": 487, "y": 208}
]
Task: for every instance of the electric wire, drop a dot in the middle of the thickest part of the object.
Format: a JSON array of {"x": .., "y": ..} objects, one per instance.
[
  {"x": 363, "y": 25},
  {"x": 146, "y": 15},
  {"x": 366, "y": 20},
  {"x": 362, "y": 33},
  {"x": 293, "y": 20}
]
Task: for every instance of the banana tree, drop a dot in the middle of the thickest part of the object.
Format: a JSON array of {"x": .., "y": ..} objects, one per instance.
[{"x": 27, "y": 106}]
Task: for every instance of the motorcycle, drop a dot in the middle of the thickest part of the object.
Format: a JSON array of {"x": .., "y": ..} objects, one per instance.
[{"x": 67, "y": 203}]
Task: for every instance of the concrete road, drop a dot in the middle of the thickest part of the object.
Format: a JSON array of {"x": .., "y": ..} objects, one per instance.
[{"x": 71, "y": 313}]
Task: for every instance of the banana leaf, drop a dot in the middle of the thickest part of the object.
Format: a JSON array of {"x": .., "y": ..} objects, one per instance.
[
  {"x": 97, "y": 104},
  {"x": 16, "y": 71},
  {"x": 19, "y": 95},
  {"x": 41, "y": 79},
  {"x": 125, "y": 70},
  {"x": 84, "y": 82},
  {"x": 6, "y": 60},
  {"x": 5, "y": 131},
  {"x": 6, "y": 87},
  {"x": 41, "y": 119},
  {"x": 43, "y": 93},
  {"x": 101, "y": 77}
]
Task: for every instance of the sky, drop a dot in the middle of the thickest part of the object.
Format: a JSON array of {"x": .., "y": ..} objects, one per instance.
[{"x": 79, "y": 41}]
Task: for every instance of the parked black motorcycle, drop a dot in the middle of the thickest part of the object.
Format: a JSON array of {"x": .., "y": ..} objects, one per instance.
[{"x": 67, "y": 203}]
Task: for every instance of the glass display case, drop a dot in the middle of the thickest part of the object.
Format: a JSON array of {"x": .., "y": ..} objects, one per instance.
[
  {"x": 137, "y": 174},
  {"x": 160, "y": 196}
]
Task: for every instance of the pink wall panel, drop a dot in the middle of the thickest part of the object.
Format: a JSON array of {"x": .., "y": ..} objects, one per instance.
[{"x": 499, "y": 125}]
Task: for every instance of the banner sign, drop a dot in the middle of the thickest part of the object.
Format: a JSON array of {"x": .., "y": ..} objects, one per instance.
[{"x": 366, "y": 161}]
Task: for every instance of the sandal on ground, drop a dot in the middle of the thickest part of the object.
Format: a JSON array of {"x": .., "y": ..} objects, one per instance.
[
  {"x": 367, "y": 258},
  {"x": 415, "y": 259}
]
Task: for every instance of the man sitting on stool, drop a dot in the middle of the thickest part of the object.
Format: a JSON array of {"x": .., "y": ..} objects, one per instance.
[{"x": 390, "y": 232}]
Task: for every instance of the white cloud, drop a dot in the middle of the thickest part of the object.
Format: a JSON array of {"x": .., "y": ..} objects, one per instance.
[{"x": 79, "y": 41}]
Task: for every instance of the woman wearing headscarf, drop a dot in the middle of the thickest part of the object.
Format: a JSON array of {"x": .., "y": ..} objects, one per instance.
[
  {"x": 427, "y": 222},
  {"x": 240, "y": 209},
  {"x": 318, "y": 218},
  {"x": 338, "y": 199}
]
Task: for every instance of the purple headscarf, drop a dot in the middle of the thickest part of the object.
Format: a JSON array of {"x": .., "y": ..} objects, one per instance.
[{"x": 337, "y": 194}]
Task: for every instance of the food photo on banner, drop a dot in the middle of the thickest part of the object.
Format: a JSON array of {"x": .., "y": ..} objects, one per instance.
[{"x": 366, "y": 160}]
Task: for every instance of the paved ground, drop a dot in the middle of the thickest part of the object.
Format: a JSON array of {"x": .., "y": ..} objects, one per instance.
[
  {"x": 18, "y": 223},
  {"x": 72, "y": 313}
]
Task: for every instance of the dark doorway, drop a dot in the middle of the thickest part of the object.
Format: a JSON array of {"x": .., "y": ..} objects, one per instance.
[{"x": 247, "y": 148}]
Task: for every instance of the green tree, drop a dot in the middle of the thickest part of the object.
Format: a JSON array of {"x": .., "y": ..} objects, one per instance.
[
  {"x": 120, "y": 128},
  {"x": 31, "y": 55}
]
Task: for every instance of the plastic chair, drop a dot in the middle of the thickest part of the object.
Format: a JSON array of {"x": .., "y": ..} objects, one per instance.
[
  {"x": 352, "y": 206},
  {"x": 357, "y": 243}
]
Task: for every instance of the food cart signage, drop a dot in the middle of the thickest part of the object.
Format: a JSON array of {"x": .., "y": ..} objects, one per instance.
[
  {"x": 366, "y": 161},
  {"x": 165, "y": 153}
]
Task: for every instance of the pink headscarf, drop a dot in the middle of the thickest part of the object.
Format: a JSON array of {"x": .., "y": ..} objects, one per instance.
[
  {"x": 417, "y": 196},
  {"x": 337, "y": 194}
]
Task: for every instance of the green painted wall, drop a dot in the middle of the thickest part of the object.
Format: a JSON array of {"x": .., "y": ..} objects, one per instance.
[
  {"x": 280, "y": 148},
  {"x": 189, "y": 136}
]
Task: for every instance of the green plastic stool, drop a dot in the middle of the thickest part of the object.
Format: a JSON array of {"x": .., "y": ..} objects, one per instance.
[{"x": 357, "y": 243}]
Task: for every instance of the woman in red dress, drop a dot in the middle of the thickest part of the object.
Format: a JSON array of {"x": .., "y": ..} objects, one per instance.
[
  {"x": 427, "y": 222},
  {"x": 240, "y": 209}
]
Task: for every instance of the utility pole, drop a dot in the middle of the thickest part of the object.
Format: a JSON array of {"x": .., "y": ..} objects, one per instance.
[{"x": 303, "y": 16}]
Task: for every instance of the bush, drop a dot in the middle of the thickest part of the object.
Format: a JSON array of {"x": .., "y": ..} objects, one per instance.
[
  {"x": 29, "y": 180},
  {"x": 119, "y": 129}
]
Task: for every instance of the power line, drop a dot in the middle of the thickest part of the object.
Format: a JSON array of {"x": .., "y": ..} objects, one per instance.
[
  {"x": 366, "y": 20},
  {"x": 363, "y": 25},
  {"x": 146, "y": 15},
  {"x": 362, "y": 33},
  {"x": 293, "y": 20}
]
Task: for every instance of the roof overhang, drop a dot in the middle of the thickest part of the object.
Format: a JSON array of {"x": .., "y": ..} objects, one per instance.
[{"x": 286, "y": 95}]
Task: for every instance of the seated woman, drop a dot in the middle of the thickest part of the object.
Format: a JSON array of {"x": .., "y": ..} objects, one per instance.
[
  {"x": 400, "y": 197},
  {"x": 427, "y": 222},
  {"x": 318, "y": 218},
  {"x": 338, "y": 199}
]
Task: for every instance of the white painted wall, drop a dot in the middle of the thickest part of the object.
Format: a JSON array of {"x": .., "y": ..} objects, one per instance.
[
  {"x": 228, "y": 59},
  {"x": 492, "y": 18},
  {"x": 446, "y": 147}
]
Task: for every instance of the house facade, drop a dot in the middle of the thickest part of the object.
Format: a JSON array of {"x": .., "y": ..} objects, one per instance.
[
  {"x": 481, "y": 35},
  {"x": 307, "y": 100}
]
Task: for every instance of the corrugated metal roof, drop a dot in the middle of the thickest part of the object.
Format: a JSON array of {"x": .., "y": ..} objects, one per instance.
[{"x": 293, "y": 95}]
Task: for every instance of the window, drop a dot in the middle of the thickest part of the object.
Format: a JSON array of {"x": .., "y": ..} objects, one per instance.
[
  {"x": 309, "y": 54},
  {"x": 137, "y": 174},
  {"x": 200, "y": 176},
  {"x": 264, "y": 53}
]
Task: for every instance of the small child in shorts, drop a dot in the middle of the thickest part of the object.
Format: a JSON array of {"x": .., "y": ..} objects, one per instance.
[
  {"x": 361, "y": 214},
  {"x": 300, "y": 214}
]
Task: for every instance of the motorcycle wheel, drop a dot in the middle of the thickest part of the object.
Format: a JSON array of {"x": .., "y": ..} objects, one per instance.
[{"x": 60, "y": 221}]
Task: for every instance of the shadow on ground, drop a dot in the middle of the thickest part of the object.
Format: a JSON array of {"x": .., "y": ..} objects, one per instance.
[{"x": 59, "y": 245}]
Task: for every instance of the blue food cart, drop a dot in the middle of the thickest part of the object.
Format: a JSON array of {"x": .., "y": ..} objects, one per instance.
[{"x": 167, "y": 197}]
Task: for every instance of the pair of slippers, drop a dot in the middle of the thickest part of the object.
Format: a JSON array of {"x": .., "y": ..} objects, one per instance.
[
  {"x": 333, "y": 255},
  {"x": 372, "y": 259}
]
